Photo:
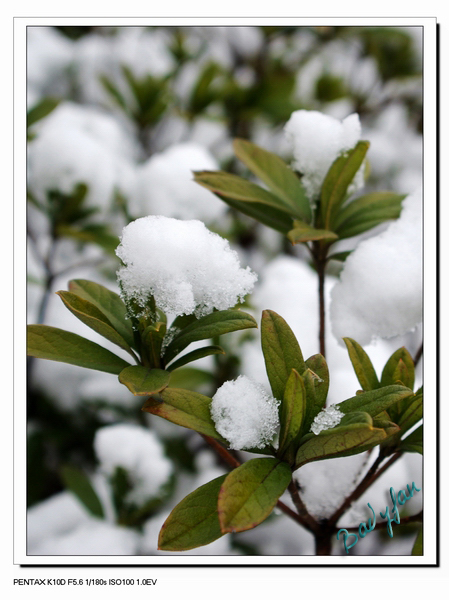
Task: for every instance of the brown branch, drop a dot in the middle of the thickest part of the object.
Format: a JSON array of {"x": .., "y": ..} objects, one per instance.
[
  {"x": 372, "y": 475},
  {"x": 418, "y": 355}
]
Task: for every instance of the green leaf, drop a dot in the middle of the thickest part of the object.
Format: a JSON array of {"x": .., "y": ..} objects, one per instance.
[
  {"x": 236, "y": 188},
  {"x": 393, "y": 370},
  {"x": 191, "y": 378},
  {"x": 41, "y": 110},
  {"x": 250, "y": 492},
  {"x": 410, "y": 411},
  {"x": 78, "y": 483},
  {"x": 413, "y": 442},
  {"x": 215, "y": 324},
  {"x": 362, "y": 364},
  {"x": 340, "y": 256},
  {"x": 110, "y": 304},
  {"x": 302, "y": 232},
  {"x": 366, "y": 212},
  {"x": 151, "y": 346},
  {"x": 186, "y": 408},
  {"x": 357, "y": 417},
  {"x": 319, "y": 374},
  {"x": 267, "y": 215},
  {"x": 56, "y": 344},
  {"x": 92, "y": 316},
  {"x": 340, "y": 441},
  {"x": 273, "y": 171},
  {"x": 281, "y": 351},
  {"x": 293, "y": 410},
  {"x": 337, "y": 181},
  {"x": 375, "y": 401},
  {"x": 194, "y": 521},
  {"x": 417, "y": 549},
  {"x": 142, "y": 381},
  {"x": 195, "y": 355}
]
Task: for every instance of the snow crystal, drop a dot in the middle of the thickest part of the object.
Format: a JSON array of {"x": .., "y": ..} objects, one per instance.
[
  {"x": 164, "y": 185},
  {"x": 326, "y": 419},
  {"x": 139, "y": 452},
  {"x": 245, "y": 414},
  {"x": 317, "y": 140},
  {"x": 380, "y": 291},
  {"x": 187, "y": 268}
]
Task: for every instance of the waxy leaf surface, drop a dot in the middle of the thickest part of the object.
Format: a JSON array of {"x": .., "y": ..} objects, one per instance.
[
  {"x": 215, "y": 324},
  {"x": 375, "y": 401},
  {"x": 142, "y": 381},
  {"x": 186, "y": 408},
  {"x": 250, "y": 492},
  {"x": 337, "y": 181},
  {"x": 273, "y": 171},
  {"x": 194, "y": 521},
  {"x": 367, "y": 212},
  {"x": 236, "y": 188},
  {"x": 339, "y": 441},
  {"x": 195, "y": 355},
  {"x": 281, "y": 351},
  {"x": 362, "y": 364},
  {"x": 93, "y": 317},
  {"x": 292, "y": 411},
  {"x": 302, "y": 232},
  {"x": 110, "y": 304},
  {"x": 56, "y": 344}
]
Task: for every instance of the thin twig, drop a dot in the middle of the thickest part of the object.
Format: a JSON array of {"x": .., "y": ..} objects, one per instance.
[
  {"x": 311, "y": 524},
  {"x": 372, "y": 475},
  {"x": 418, "y": 355}
]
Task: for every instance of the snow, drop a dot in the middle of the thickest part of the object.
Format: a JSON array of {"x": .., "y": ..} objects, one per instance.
[
  {"x": 317, "y": 140},
  {"x": 80, "y": 144},
  {"x": 49, "y": 56},
  {"x": 245, "y": 414},
  {"x": 326, "y": 419},
  {"x": 94, "y": 538},
  {"x": 187, "y": 268},
  {"x": 164, "y": 185},
  {"x": 380, "y": 290},
  {"x": 139, "y": 452}
]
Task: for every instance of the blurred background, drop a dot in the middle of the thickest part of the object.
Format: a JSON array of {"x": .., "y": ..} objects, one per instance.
[{"x": 118, "y": 118}]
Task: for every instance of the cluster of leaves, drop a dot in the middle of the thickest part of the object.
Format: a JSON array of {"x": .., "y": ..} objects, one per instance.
[
  {"x": 380, "y": 414},
  {"x": 284, "y": 206}
]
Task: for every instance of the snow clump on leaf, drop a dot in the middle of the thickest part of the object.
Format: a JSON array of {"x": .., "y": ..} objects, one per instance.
[
  {"x": 184, "y": 266},
  {"x": 140, "y": 453},
  {"x": 245, "y": 414},
  {"x": 326, "y": 419},
  {"x": 380, "y": 290},
  {"x": 317, "y": 141}
]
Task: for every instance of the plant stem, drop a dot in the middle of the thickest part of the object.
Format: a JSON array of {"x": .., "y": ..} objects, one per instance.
[
  {"x": 322, "y": 312},
  {"x": 418, "y": 355},
  {"x": 311, "y": 524},
  {"x": 372, "y": 475}
]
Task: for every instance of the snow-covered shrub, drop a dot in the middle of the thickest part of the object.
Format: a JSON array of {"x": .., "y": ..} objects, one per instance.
[
  {"x": 148, "y": 110},
  {"x": 184, "y": 266}
]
